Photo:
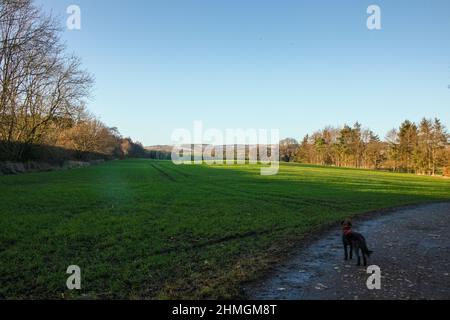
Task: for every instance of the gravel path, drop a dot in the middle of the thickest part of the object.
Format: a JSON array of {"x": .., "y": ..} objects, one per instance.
[{"x": 411, "y": 246}]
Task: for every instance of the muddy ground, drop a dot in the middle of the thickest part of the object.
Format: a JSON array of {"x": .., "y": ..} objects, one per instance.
[{"x": 411, "y": 246}]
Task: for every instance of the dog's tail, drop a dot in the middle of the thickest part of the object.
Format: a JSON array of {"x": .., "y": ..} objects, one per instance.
[{"x": 366, "y": 249}]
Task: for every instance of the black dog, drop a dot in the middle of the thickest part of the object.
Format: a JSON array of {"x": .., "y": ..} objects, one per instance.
[{"x": 356, "y": 241}]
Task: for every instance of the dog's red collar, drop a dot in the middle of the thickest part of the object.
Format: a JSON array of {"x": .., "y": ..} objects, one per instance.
[{"x": 347, "y": 231}]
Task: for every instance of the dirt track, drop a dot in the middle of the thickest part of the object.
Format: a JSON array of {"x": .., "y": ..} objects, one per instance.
[{"x": 411, "y": 246}]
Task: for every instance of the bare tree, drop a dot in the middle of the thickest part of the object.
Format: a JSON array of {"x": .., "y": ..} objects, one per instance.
[
  {"x": 393, "y": 142},
  {"x": 39, "y": 83},
  {"x": 288, "y": 148}
]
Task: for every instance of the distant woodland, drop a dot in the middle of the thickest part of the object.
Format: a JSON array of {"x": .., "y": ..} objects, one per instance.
[{"x": 421, "y": 148}]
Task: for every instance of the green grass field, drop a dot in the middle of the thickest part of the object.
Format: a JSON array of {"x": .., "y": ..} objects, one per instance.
[{"x": 147, "y": 229}]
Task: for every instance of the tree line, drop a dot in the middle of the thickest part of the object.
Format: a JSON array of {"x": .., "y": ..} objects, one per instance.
[
  {"x": 421, "y": 148},
  {"x": 44, "y": 90}
]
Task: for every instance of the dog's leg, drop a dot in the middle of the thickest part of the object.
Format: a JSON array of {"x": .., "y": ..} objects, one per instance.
[
  {"x": 357, "y": 255},
  {"x": 364, "y": 258},
  {"x": 345, "y": 243},
  {"x": 345, "y": 252},
  {"x": 351, "y": 251}
]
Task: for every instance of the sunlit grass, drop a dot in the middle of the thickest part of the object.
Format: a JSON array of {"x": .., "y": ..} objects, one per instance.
[{"x": 146, "y": 229}]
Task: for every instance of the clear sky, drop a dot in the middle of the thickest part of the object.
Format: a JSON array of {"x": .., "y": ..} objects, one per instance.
[{"x": 294, "y": 65}]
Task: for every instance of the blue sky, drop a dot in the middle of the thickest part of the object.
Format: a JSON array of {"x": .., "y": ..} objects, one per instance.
[{"x": 296, "y": 66}]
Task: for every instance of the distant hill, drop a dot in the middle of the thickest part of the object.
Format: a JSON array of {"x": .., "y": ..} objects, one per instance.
[
  {"x": 160, "y": 148},
  {"x": 241, "y": 151}
]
